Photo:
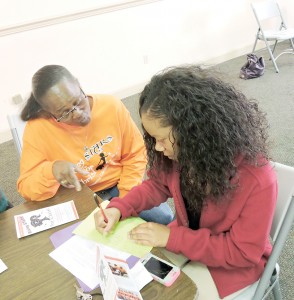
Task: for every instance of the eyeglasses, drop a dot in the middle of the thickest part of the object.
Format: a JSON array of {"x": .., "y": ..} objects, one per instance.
[{"x": 66, "y": 115}]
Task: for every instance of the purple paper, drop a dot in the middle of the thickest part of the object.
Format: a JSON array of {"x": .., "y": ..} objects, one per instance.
[{"x": 61, "y": 236}]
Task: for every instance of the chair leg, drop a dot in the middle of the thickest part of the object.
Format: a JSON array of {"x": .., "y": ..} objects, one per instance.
[
  {"x": 274, "y": 46},
  {"x": 271, "y": 55},
  {"x": 277, "y": 291},
  {"x": 254, "y": 44},
  {"x": 291, "y": 41}
]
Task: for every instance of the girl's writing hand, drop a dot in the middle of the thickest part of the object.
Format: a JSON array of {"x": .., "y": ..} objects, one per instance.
[
  {"x": 113, "y": 215},
  {"x": 150, "y": 234}
]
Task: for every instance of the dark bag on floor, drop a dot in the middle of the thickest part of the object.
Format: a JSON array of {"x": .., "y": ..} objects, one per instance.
[{"x": 253, "y": 68}]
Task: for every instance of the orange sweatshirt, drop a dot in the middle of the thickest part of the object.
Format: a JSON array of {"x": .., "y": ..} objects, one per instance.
[{"x": 110, "y": 147}]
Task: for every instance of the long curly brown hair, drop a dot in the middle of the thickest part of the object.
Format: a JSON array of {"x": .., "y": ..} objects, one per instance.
[{"x": 212, "y": 124}]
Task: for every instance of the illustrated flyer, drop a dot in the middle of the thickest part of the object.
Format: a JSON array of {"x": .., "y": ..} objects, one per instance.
[{"x": 45, "y": 218}]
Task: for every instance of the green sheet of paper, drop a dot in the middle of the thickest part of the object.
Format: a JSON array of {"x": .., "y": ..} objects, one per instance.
[{"x": 117, "y": 238}]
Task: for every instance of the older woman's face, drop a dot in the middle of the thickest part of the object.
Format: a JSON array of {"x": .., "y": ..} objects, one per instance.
[
  {"x": 164, "y": 141},
  {"x": 67, "y": 103}
]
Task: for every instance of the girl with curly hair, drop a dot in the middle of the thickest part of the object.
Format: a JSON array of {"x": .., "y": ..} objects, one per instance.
[{"x": 207, "y": 148}]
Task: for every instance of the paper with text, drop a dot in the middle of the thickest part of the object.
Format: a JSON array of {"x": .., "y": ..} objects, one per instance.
[
  {"x": 45, "y": 218},
  {"x": 117, "y": 238},
  {"x": 78, "y": 256}
]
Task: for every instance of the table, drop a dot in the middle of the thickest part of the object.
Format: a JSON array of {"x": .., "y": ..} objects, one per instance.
[{"x": 33, "y": 274}]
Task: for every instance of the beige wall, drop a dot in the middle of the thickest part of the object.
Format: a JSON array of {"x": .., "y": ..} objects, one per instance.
[{"x": 118, "y": 51}]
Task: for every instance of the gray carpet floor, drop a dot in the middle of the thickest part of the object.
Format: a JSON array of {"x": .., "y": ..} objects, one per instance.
[{"x": 275, "y": 95}]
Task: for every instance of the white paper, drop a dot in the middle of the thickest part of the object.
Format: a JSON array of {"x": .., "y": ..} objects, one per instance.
[
  {"x": 78, "y": 256},
  {"x": 3, "y": 267},
  {"x": 141, "y": 275},
  {"x": 45, "y": 218}
]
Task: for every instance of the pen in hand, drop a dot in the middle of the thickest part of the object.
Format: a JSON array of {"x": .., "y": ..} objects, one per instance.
[{"x": 98, "y": 201}]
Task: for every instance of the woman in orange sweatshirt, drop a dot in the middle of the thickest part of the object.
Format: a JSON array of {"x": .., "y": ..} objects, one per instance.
[{"x": 72, "y": 138}]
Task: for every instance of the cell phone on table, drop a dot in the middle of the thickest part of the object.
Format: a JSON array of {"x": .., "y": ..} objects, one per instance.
[{"x": 161, "y": 270}]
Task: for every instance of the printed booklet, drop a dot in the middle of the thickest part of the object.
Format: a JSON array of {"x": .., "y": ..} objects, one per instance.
[
  {"x": 45, "y": 218},
  {"x": 116, "y": 280}
]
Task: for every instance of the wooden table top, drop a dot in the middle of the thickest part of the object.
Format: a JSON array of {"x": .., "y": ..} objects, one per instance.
[{"x": 33, "y": 274}]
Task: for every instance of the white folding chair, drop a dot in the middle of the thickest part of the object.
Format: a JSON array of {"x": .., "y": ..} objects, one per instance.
[
  {"x": 281, "y": 226},
  {"x": 267, "y": 14},
  {"x": 17, "y": 128},
  {"x": 282, "y": 222}
]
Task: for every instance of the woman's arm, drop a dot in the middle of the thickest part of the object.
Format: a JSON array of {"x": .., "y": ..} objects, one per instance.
[
  {"x": 152, "y": 192},
  {"x": 36, "y": 181}
]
